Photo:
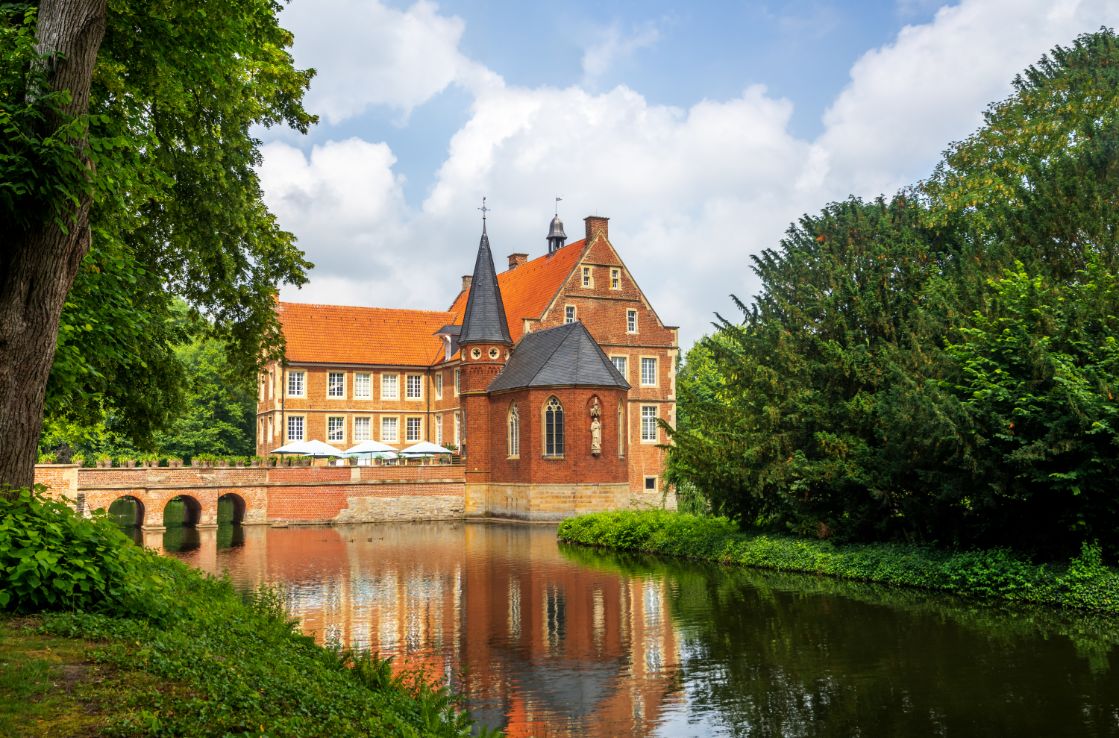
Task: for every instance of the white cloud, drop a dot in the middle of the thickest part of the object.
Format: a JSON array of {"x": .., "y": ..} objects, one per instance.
[
  {"x": 368, "y": 54},
  {"x": 691, "y": 192},
  {"x": 613, "y": 46}
]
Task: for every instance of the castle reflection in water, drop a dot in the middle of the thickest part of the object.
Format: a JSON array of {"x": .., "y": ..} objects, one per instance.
[{"x": 540, "y": 645}]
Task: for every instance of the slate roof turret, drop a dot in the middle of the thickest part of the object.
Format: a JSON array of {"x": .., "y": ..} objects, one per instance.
[
  {"x": 564, "y": 356},
  {"x": 484, "y": 320}
]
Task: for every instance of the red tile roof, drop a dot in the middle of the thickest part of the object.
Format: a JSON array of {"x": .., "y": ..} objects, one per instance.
[
  {"x": 528, "y": 289},
  {"x": 337, "y": 334}
]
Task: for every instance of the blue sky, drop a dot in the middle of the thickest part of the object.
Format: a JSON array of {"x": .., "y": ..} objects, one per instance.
[{"x": 701, "y": 129}]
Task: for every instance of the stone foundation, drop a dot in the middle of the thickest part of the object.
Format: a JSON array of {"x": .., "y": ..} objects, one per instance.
[{"x": 543, "y": 502}]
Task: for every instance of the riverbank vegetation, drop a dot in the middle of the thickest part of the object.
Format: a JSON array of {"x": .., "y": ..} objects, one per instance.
[
  {"x": 938, "y": 367},
  {"x": 103, "y": 637},
  {"x": 994, "y": 574}
]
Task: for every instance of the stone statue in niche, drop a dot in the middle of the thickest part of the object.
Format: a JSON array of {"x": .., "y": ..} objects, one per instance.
[{"x": 596, "y": 427}]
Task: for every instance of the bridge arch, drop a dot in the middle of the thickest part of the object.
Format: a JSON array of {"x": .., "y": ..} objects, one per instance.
[
  {"x": 127, "y": 511},
  {"x": 191, "y": 511},
  {"x": 231, "y": 508}
]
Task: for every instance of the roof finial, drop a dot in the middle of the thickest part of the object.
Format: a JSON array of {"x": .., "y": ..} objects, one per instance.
[
  {"x": 558, "y": 198},
  {"x": 484, "y": 210}
]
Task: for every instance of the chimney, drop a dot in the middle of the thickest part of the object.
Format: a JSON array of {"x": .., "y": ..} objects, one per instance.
[
  {"x": 466, "y": 281},
  {"x": 596, "y": 226},
  {"x": 515, "y": 260}
]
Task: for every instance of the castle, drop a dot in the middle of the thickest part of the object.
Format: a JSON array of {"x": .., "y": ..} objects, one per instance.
[{"x": 549, "y": 377}]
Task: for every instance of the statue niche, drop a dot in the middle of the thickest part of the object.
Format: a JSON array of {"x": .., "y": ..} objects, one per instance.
[{"x": 596, "y": 426}]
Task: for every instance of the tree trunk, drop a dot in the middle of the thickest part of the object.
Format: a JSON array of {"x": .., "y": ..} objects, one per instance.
[{"x": 37, "y": 267}]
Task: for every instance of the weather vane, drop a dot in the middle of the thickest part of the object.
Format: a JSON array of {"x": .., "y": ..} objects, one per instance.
[
  {"x": 484, "y": 210},
  {"x": 557, "y": 205}
]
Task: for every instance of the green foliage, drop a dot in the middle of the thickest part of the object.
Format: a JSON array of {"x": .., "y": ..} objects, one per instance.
[
  {"x": 227, "y": 663},
  {"x": 51, "y": 559},
  {"x": 939, "y": 366},
  {"x": 1085, "y": 583}
]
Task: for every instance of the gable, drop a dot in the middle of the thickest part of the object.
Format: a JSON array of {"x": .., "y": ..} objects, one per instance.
[{"x": 527, "y": 290}]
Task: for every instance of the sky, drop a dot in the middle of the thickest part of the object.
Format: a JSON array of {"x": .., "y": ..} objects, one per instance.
[{"x": 702, "y": 130}]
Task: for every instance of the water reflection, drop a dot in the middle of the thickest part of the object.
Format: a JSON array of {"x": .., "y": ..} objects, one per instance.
[{"x": 547, "y": 641}]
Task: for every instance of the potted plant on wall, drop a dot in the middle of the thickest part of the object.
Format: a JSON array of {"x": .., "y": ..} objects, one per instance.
[{"x": 104, "y": 461}]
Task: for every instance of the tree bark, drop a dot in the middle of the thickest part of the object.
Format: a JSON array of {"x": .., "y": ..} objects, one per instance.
[{"x": 37, "y": 266}]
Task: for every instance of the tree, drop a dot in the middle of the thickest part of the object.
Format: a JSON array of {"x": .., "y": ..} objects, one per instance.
[{"x": 132, "y": 129}]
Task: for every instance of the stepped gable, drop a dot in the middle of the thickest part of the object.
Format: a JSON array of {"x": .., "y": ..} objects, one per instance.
[
  {"x": 564, "y": 356},
  {"x": 528, "y": 290},
  {"x": 340, "y": 334},
  {"x": 484, "y": 320}
]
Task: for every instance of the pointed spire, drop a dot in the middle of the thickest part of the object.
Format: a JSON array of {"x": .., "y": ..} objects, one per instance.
[{"x": 484, "y": 320}]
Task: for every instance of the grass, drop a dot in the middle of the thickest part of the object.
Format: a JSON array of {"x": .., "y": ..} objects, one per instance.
[{"x": 1083, "y": 583}]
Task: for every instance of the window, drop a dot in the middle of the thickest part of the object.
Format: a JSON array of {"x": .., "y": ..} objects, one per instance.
[
  {"x": 363, "y": 387},
  {"x": 438, "y": 430},
  {"x": 631, "y": 321},
  {"x": 615, "y": 279},
  {"x": 362, "y": 429},
  {"x": 297, "y": 384},
  {"x": 458, "y": 384},
  {"x": 335, "y": 429},
  {"x": 648, "y": 371},
  {"x": 414, "y": 387},
  {"x": 413, "y": 429},
  {"x": 390, "y": 386},
  {"x": 514, "y": 423},
  {"x": 648, "y": 423},
  {"x": 390, "y": 430},
  {"x": 553, "y": 428},
  {"x": 438, "y": 381},
  {"x": 622, "y": 430},
  {"x": 622, "y": 365},
  {"x": 650, "y": 484},
  {"x": 458, "y": 430},
  {"x": 588, "y": 279},
  {"x": 335, "y": 384},
  {"x": 569, "y": 314},
  {"x": 295, "y": 427}
]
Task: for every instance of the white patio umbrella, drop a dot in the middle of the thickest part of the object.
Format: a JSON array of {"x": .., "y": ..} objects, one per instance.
[
  {"x": 370, "y": 447},
  {"x": 424, "y": 448},
  {"x": 308, "y": 448}
]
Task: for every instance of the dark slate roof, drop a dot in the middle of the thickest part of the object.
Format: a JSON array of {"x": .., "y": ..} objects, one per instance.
[
  {"x": 484, "y": 320},
  {"x": 563, "y": 356}
]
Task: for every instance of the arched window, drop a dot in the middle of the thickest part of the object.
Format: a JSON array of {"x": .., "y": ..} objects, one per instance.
[
  {"x": 553, "y": 428},
  {"x": 621, "y": 430},
  {"x": 514, "y": 431}
]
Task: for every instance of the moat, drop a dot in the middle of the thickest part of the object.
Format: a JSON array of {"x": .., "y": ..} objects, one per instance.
[{"x": 549, "y": 640}]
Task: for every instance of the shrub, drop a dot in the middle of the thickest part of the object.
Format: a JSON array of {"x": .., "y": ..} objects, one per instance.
[{"x": 52, "y": 559}]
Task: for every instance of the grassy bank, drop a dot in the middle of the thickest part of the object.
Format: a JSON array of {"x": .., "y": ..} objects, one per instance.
[
  {"x": 1084, "y": 583},
  {"x": 104, "y": 638}
]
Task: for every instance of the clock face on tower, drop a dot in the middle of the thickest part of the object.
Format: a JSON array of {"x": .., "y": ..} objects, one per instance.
[
  {"x": 476, "y": 353},
  {"x": 494, "y": 353}
]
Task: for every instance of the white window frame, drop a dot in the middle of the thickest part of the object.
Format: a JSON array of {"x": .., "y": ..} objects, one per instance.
[
  {"x": 438, "y": 430},
  {"x": 513, "y": 432},
  {"x": 569, "y": 314},
  {"x": 339, "y": 421},
  {"x": 588, "y": 277},
  {"x": 631, "y": 321},
  {"x": 367, "y": 435},
  {"x": 615, "y": 278},
  {"x": 298, "y": 377},
  {"x": 458, "y": 384},
  {"x": 645, "y": 484},
  {"x": 419, "y": 425},
  {"x": 458, "y": 431},
  {"x": 646, "y": 436},
  {"x": 341, "y": 386},
  {"x": 394, "y": 422},
  {"x": 390, "y": 380},
  {"x": 624, "y": 370},
  {"x": 408, "y": 386},
  {"x": 368, "y": 381},
  {"x": 302, "y": 427},
  {"x": 656, "y": 369},
  {"x": 437, "y": 380}
]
